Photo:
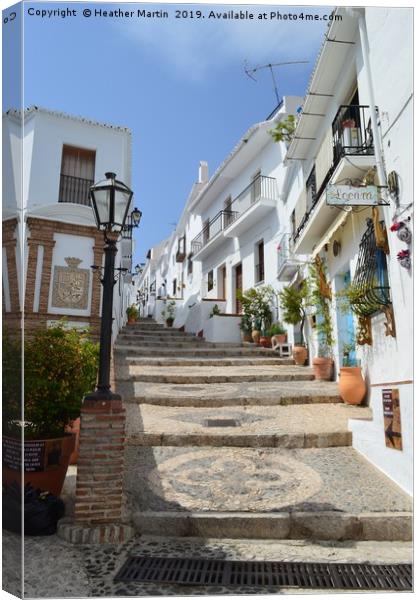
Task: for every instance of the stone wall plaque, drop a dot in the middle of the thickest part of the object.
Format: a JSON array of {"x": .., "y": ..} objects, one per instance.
[
  {"x": 70, "y": 285},
  {"x": 392, "y": 419}
]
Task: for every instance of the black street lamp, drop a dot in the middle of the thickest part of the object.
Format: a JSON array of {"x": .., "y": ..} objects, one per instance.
[{"x": 110, "y": 200}]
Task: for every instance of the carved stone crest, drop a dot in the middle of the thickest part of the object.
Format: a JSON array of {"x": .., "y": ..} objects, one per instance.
[{"x": 70, "y": 285}]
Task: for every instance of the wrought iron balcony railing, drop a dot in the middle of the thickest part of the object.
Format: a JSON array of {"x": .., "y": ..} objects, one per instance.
[
  {"x": 351, "y": 136},
  {"x": 260, "y": 187},
  {"x": 221, "y": 220},
  {"x": 127, "y": 230},
  {"x": 74, "y": 189}
]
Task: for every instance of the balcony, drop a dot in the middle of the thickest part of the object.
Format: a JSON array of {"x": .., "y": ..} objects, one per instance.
[
  {"x": 181, "y": 250},
  {"x": 254, "y": 202},
  {"x": 288, "y": 262},
  {"x": 127, "y": 230},
  {"x": 347, "y": 151},
  {"x": 74, "y": 190},
  {"x": 212, "y": 235}
]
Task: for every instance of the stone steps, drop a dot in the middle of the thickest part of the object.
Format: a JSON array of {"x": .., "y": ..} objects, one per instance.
[
  {"x": 230, "y": 394},
  {"x": 206, "y": 361},
  {"x": 236, "y": 374},
  {"x": 199, "y": 350},
  {"x": 169, "y": 343},
  {"x": 269, "y": 493},
  {"x": 301, "y": 426}
]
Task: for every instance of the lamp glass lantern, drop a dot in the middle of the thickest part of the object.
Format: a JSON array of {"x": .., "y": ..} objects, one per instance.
[
  {"x": 136, "y": 217},
  {"x": 110, "y": 201}
]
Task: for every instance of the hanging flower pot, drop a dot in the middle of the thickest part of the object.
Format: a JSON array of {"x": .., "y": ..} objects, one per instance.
[
  {"x": 404, "y": 259},
  {"x": 352, "y": 387},
  {"x": 403, "y": 231}
]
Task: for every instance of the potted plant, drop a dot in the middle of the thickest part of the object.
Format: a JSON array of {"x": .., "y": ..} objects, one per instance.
[
  {"x": 352, "y": 387},
  {"x": 293, "y": 300},
  {"x": 256, "y": 303},
  {"x": 169, "y": 313},
  {"x": 246, "y": 328},
  {"x": 132, "y": 314},
  {"x": 323, "y": 363},
  {"x": 265, "y": 338},
  {"x": 278, "y": 332},
  {"x": 215, "y": 311},
  {"x": 60, "y": 368}
]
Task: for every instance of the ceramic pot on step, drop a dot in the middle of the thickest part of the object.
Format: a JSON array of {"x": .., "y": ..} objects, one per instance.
[
  {"x": 323, "y": 368},
  {"x": 265, "y": 341},
  {"x": 352, "y": 387},
  {"x": 299, "y": 354},
  {"x": 256, "y": 336}
]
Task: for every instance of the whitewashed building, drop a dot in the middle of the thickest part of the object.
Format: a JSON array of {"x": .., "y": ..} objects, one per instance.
[
  {"x": 48, "y": 220},
  {"x": 355, "y": 129}
]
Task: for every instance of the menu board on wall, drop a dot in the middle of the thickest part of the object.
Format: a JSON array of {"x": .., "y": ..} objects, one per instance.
[{"x": 392, "y": 419}]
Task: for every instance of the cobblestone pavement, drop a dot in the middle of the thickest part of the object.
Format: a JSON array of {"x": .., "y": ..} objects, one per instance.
[
  {"x": 227, "y": 394},
  {"x": 54, "y": 568},
  {"x": 263, "y": 421},
  {"x": 256, "y": 479}
]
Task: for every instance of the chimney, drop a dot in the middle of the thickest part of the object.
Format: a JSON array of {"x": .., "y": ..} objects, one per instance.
[{"x": 203, "y": 172}]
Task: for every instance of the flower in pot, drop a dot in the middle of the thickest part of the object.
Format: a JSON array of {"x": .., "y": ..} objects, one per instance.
[
  {"x": 278, "y": 331},
  {"x": 169, "y": 313},
  {"x": 320, "y": 297},
  {"x": 132, "y": 313},
  {"x": 348, "y": 124},
  {"x": 265, "y": 338},
  {"x": 293, "y": 301},
  {"x": 256, "y": 303},
  {"x": 60, "y": 368},
  {"x": 246, "y": 328}
]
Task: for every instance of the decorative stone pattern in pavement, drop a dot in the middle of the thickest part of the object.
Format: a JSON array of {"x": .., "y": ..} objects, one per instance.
[
  {"x": 56, "y": 569},
  {"x": 254, "y": 479},
  {"x": 299, "y": 419},
  {"x": 228, "y": 394}
]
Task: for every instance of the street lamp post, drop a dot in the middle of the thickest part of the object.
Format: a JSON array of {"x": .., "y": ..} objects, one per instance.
[{"x": 110, "y": 201}]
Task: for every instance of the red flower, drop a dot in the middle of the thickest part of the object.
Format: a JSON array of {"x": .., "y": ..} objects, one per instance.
[
  {"x": 403, "y": 254},
  {"x": 396, "y": 226}
]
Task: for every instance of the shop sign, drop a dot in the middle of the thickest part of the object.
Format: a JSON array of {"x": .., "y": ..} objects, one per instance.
[
  {"x": 392, "y": 419},
  {"x": 350, "y": 195}
]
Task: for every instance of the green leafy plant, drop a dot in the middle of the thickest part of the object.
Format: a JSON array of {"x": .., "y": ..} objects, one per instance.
[
  {"x": 277, "y": 329},
  {"x": 284, "y": 130},
  {"x": 168, "y": 313},
  {"x": 356, "y": 298},
  {"x": 132, "y": 312},
  {"x": 215, "y": 311},
  {"x": 257, "y": 305},
  {"x": 347, "y": 349},
  {"x": 324, "y": 324},
  {"x": 60, "y": 368},
  {"x": 246, "y": 324},
  {"x": 293, "y": 301}
]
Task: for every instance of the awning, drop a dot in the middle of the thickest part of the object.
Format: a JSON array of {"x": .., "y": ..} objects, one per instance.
[{"x": 331, "y": 232}]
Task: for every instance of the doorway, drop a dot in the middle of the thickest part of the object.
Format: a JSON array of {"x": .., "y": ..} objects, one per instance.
[
  {"x": 222, "y": 282},
  {"x": 345, "y": 321},
  {"x": 238, "y": 271}
]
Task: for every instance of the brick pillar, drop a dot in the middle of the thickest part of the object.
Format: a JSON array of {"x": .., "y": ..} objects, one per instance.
[{"x": 98, "y": 506}]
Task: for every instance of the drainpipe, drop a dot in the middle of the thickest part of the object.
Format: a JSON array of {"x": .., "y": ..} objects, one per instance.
[{"x": 382, "y": 180}]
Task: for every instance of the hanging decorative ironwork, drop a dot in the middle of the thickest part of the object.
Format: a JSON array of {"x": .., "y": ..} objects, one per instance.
[{"x": 371, "y": 291}]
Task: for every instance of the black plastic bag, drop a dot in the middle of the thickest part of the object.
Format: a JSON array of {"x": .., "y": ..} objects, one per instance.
[{"x": 42, "y": 510}]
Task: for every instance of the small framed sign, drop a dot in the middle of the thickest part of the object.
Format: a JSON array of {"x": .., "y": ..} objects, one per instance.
[
  {"x": 350, "y": 195},
  {"x": 392, "y": 419}
]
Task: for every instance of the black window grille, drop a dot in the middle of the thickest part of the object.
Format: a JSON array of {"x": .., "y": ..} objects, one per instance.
[
  {"x": 210, "y": 280},
  {"x": 370, "y": 283}
]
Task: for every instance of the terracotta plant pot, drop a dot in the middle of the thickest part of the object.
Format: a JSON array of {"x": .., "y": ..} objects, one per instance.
[
  {"x": 265, "y": 341},
  {"x": 281, "y": 338},
  {"x": 352, "y": 387},
  {"x": 256, "y": 336},
  {"x": 323, "y": 368},
  {"x": 46, "y": 462},
  {"x": 299, "y": 354},
  {"x": 75, "y": 428},
  {"x": 131, "y": 320},
  {"x": 247, "y": 337}
]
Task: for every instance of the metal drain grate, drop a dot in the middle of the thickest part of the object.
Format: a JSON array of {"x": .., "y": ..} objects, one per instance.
[
  {"x": 221, "y": 423},
  {"x": 194, "y": 571}
]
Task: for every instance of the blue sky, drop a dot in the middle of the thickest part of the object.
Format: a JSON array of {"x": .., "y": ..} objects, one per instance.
[{"x": 178, "y": 84}]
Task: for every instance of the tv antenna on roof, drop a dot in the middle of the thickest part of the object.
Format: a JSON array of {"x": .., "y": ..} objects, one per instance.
[{"x": 252, "y": 71}]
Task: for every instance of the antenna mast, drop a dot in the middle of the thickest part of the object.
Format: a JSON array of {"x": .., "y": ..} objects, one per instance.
[{"x": 252, "y": 71}]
